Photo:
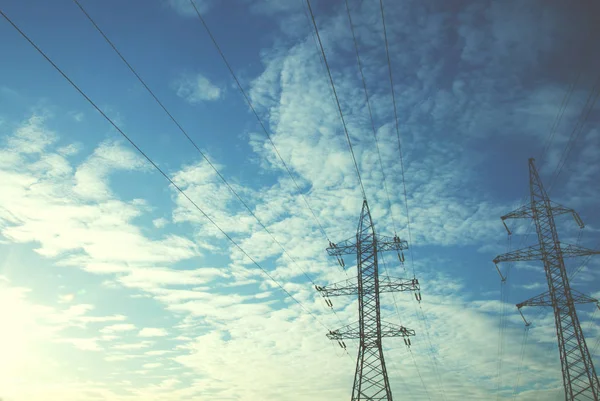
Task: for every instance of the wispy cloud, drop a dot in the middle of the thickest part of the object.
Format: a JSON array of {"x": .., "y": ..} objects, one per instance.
[
  {"x": 463, "y": 79},
  {"x": 160, "y": 222},
  {"x": 115, "y": 328},
  {"x": 152, "y": 332},
  {"x": 196, "y": 88}
]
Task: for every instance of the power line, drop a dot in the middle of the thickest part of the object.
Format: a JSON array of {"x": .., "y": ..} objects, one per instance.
[
  {"x": 161, "y": 171},
  {"x": 337, "y": 100},
  {"x": 387, "y": 52},
  {"x": 183, "y": 131},
  {"x": 561, "y": 111},
  {"x": 522, "y": 357},
  {"x": 364, "y": 82},
  {"x": 400, "y": 323},
  {"x": 419, "y": 373},
  {"x": 577, "y": 129},
  {"x": 249, "y": 102},
  {"x": 397, "y": 126},
  {"x": 502, "y": 324}
]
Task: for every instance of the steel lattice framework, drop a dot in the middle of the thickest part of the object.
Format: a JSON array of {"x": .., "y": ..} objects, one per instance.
[
  {"x": 370, "y": 380},
  {"x": 578, "y": 372}
]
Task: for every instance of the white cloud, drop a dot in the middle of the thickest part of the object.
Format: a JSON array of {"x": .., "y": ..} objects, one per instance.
[
  {"x": 77, "y": 116},
  {"x": 157, "y": 352},
  {"x": 139, "y": 345},
  {"x": 118, "y": 328},
  {"x": 91, "y": 177},
  {"x": 69, "y": 150},
  {"x": 66, "y": 298},
  {"x": 152, "y": 332},
  {"x": 160, "y": 222},
  {"x": 151, "y": 365},
  {"x": 196, "y": 88},
  {"x": 84, "y": 344},
  {"x": 228, "y": 312},
  {"x": 72, "y": 210}
]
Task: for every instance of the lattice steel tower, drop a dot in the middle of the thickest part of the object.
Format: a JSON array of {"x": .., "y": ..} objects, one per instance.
[
  {"x": 579, "y": 376},
  {"x": 370, "y": 380}
]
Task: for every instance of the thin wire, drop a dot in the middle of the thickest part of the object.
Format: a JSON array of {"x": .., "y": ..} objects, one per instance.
[
  {"x": 165, "y": 175},
  {"x": 362, "y": 75},
  {"x": 581, "y": 266},
  {"x": 387, "y": 51},
  {"x": 337, "y": 100},
  {"x": 431, "y": 353},
  {"x": 424, "y": 317},
  {"x": 561, "y": 111},
  {"x": 419, "y": 373},
  {"x": 314, "y": 39},
  {"x": 183, "y": 131},
  {"x": 519, "y": 370},
  {"x": 400, "y": 322},
  {"x": 249, "y": 102},
  {"x": 591, "y": 100},
  {"x": 264, "y": 128},
  {"x": 503, "y": 322},
  {"x": 596, "y": 346},
  {"x": 501, "y": 339},
  {"x": 591, "y": 322}
]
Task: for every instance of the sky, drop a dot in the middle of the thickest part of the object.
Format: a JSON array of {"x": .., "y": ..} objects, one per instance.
[{"x": 115, "y": 287}]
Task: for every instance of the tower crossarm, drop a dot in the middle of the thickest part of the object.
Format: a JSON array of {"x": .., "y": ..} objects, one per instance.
[
  {"x": 534, "y": 253},
  {"x": 384, "y": 244},
  {"x": 523, "y": 212},
  {"x": 581, "y": 298},
  {"x": 571, "y": 251},
  {"x": 544, "y": 299},
  {"x": 560, "y": 209},
  {"x": 526, "y": 212},
  {"x": 352, "y": 331},
  {"x": 393, "y": 284},
  {"x": 387, "y": 284},
  {"x": 524, "y": 254},
  {"x": 579, "y": 376},
  {"x": 539, "y": 300}
]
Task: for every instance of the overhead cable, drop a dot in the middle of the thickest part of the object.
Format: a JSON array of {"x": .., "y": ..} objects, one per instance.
[
  {"x": 264, "y": 128},
  {"x": 337, "y": 100},
  {"x": 161, "y": 171}
]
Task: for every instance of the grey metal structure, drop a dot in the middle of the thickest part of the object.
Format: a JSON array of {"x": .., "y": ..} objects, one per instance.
[
  {"x": 370, "y": 380},
  {"x": 578, "y": 372}
]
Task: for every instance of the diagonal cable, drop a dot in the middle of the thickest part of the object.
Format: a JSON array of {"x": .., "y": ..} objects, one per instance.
[
  {"x": 520, "y": 369},
  {"x": 337, "y": 100},
  {"x": 424, "y": 317},
  {"x": 264, "y": 128},
  {"x": 362, "y": 75},
  {"x": 161, "y": 171},
  {"x": 399, "y": 322},
  {"x": 183, "y": 131},
  {"x": 387, "y": 51}
]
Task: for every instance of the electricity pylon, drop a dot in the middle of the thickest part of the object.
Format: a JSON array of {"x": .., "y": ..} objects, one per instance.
[
  {"x": 370, "y": 380},
  {"x": 579, "y": 376}
]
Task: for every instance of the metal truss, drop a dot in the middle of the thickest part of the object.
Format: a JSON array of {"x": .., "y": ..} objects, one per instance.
[
  {"x": 352, "y": 332},
  {"x": 536, "y": 253},
  {"x": 579, "y": 375},
  {"x": 370, "y": 379},
  {"x": 350, "y": 286}
]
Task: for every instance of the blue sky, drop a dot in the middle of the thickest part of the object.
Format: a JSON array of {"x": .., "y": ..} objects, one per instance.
[{"x": 115, "y": 288}]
